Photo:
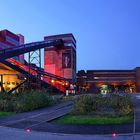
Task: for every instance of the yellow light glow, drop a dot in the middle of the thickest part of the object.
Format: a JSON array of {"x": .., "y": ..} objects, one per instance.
[{"x": 52, "y": 81}]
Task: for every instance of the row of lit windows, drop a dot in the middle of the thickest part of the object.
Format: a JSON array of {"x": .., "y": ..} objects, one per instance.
[
  {"x": 117, "y": 77},
  {"x": 114, "y": 77},
  {"x": 13, "y": 83},
  {"x": 119, "y": 72},
  {"x": 108, "y": 81}
]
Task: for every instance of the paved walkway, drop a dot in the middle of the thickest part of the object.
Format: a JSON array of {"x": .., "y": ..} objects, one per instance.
[
  {"x": 16, "y": 134},
  {"x": 38, "y": 121},
  {"x": 38, "y": 116}
]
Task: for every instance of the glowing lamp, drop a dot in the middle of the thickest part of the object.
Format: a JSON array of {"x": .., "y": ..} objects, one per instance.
[
  {"x": 114, "y": 134},
  {"x": 63, "y": 84},
  {"x": 67, "y": 83},
  {"x": 52, "y": 81},
  {"x": 28, "y": 130}
]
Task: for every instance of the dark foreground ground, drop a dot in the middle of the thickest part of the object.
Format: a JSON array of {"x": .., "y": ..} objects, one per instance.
[
  {"x": 40, "y": 120},
  {"x": 33, "y": 120},
  {"x": 80, "y": 129}
]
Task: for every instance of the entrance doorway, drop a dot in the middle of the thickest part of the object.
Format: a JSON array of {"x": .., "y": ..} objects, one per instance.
[{"x": 117, "y": 89}]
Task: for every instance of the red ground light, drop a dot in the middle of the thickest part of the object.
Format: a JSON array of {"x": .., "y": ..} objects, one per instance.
[
  {"x": 28, "y": 130},
  {"x": 114, "y": 134}
]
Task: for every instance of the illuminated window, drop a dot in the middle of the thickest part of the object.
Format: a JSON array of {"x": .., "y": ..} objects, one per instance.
[
  {"x": 96, "y": 77},
  {"x": 16, "y": 83},
  {"x": 13, "y": 83},
  {"x": 8, "y": 83}
]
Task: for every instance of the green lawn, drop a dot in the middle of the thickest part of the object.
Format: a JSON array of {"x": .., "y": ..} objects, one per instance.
[
  {"x": 90, "y": 120},
  {"x": 3, "y": 114}
]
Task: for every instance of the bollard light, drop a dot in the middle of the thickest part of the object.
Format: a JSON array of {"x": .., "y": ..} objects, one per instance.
[
  {"x": 114, "y": 134},
  {"x": 28, "y": 130}
]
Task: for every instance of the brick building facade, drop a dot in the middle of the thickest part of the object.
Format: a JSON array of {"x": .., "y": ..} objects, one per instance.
[
  {"x": 61, "y": 60},
  {"x": 120, "y": 81}
]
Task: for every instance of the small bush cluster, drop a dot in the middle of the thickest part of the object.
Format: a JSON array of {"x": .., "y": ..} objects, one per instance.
[
  {"x": 26, "y": 101},
  {"x": 122, "y": 104},
  {"x": 86, "y": 104},
  {"x": 95, "y": 104}
]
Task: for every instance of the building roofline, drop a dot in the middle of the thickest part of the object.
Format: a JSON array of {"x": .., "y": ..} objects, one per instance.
[
  {"x": 59, "y": 35},
  {"x": 6, "y": 30}
]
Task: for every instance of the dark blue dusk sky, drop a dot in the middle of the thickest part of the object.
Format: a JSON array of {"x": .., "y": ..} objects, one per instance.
[{"x": 107, "y": 31}]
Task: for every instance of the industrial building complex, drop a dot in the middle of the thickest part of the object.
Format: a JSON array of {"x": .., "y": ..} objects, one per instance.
[
  {"x": 59, "y": 70},
  {"x": 16, "y": 73},
  {"x": 104, "y": 81}
]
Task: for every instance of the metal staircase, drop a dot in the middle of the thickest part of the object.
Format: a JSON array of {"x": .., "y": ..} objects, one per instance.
[{"x": 60, "y": 82}]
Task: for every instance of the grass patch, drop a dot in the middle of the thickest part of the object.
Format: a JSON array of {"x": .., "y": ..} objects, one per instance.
[
  {"x": 4, "y": 114},
  {"x": 90, "y": 120}
]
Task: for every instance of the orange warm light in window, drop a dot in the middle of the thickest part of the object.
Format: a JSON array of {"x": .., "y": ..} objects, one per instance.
[{"x": 10, "y": 79}]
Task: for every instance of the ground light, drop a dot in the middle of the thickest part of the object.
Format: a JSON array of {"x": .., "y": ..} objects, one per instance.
[
  {"x": 114, "y": 134},
  {"x": 28, "y": 130}
]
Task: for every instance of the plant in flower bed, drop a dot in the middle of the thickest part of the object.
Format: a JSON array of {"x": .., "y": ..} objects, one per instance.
[
  {"x": 26, "y": 101},
  {"x": 95, "y": 104},
  {"x": 99, "y": 109}
]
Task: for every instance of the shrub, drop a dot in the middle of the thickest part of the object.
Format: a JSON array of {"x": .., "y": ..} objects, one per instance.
[
  {"x": 86, "y": 104},
  {"x": 122, "y": 105},
  {"x": 114, "y": 105},
  {"x": 26, "y": 101},
  {"x": 32, "y": 100},
  {"x": 6, "y": 102}
]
